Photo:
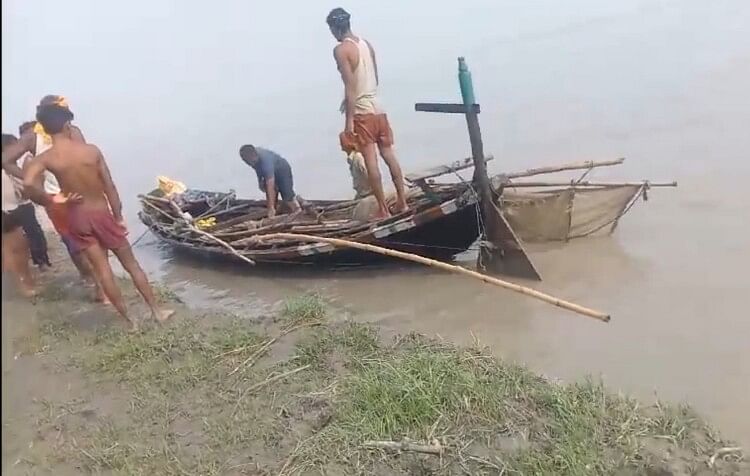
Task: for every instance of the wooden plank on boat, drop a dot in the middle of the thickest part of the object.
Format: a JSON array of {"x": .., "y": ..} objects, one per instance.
[
  {"x": 439, "y": 170},
  {"x": 447, "y": 108}
]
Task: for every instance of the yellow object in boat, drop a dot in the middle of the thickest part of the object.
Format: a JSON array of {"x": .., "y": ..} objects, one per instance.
[
  {"x": 205, "y": 223},
  {"x": 170, "y": 187}
]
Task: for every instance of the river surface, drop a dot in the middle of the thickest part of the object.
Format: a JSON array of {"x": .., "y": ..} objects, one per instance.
[{"x": 663, "y": 83}]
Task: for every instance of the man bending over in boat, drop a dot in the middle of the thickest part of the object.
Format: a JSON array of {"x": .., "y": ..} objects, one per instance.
[
  {"x": 274, "y": 177},
  {"x": 95, "y": 210},
  {"x": 366, "y": 123}
]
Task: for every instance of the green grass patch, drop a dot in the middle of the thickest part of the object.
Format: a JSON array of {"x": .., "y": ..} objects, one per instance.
[
  {"x": 203, "y": 396},
  {"x": 307, "y": 307}
]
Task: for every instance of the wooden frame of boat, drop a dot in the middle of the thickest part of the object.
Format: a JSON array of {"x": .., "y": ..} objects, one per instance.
[{"x": 442, "y": 220}]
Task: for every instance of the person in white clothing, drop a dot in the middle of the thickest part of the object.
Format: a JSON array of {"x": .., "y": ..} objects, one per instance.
[
  {"x": 366, "y": 123},
  {"x": 27, "y": 214},
  {"x": 15, "y": 247}
]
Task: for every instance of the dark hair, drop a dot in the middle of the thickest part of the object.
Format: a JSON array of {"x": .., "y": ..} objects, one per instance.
[
  {"x": 9, "y": 139},
  {"x": 338, "y": 20},
  {"x": 53, "y": 117},
  {"x": 26, "y": 126},
  {"x": 247, "y": 150},
  {"x": 50, "y": 99}
]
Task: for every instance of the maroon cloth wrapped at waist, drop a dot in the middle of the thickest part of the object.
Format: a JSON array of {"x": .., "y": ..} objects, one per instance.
[{"x": 90, "y": 226}]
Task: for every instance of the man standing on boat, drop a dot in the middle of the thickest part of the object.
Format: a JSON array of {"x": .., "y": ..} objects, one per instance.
[
  {"x": 274, "y": 177},
  {"x": 366, "y": 123}
]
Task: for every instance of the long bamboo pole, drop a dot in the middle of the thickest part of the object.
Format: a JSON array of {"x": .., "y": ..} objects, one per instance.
[
  {"x": 589, "y": 164},
  {"x": 591, "y": 184},
  {"x": 446, "y": 267}
]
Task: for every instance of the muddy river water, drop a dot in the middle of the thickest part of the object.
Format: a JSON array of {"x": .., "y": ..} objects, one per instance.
[{"x": 664, "y": 84}]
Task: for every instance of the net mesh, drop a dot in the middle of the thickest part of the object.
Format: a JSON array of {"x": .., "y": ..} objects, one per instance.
[{"x": 559, "y": 215}]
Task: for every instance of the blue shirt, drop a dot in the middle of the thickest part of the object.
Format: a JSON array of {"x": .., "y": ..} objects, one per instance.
[{"x": 268, "y": 164}]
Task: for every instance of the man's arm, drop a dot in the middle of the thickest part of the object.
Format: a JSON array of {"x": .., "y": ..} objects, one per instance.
[
  {"x": 347, "y": 75},
  {"x": 15, "y": 151},
  {"x": 374, "y": 62},
  {"x": 110, "y": 191},
  {"x": 33, "y": 181}
]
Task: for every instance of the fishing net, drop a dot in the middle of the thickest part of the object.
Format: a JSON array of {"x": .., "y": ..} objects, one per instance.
[{"x": 560, "y": 215}]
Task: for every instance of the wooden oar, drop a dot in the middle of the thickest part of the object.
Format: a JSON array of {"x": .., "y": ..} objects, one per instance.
[{"x": 444, "y": 266}]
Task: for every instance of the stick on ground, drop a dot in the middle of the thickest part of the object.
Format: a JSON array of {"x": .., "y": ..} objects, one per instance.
[{"x": 434, "y": 449}]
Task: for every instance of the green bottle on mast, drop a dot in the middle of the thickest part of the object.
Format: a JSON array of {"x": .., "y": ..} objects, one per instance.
[{"x": 465, "y": 83}]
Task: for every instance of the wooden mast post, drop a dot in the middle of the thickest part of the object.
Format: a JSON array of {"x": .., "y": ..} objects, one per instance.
[{"x": 500, "y": 249}]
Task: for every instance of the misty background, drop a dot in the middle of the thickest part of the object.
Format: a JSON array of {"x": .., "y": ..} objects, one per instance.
[{"x": 174, "y": 87}]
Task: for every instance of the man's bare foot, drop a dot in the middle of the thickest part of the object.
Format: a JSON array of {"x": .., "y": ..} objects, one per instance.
[
  {"x": 102, "y": 299},
  {"x": 162, "y": 314},
  {"x": 382, "y": 214},
  {"x": 133, "y": 327},
  {"x": 400, "y": 207}
]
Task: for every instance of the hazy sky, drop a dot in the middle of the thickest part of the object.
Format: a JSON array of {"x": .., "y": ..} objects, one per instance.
[{"x": 174, "y": 87}]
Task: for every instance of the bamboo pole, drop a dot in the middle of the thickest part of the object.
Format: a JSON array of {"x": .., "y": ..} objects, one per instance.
[
  {"x": 574, "y": 184},
  {"x": 222, "y": 243},
  {"x": 446, "y": 267},
  {"x": 589, "y": 164}
]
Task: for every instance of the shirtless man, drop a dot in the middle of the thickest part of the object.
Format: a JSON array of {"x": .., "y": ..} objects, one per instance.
[
  {"x": 366, "y": 123},
  {"x": 95, "y": 210},
  {"x": 29, "y": 145}
]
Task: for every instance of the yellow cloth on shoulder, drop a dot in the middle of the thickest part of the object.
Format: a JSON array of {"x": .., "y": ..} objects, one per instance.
[{"x": 39, "y": 130}]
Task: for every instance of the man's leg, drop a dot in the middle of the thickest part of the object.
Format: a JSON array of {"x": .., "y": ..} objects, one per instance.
[
  {"x": 389, "y": 156},
  {"x": 97, "y": 256},
  {"x": 285, "y": 187},
  {"x": 81, "y": 262},
  {"x": 373, "y": 174},
  {"x": 34, "y": 235},
  {"x": 128, "y": 261},
  {"x": 84, "y": 267},
  {"x": 16, "y": 257}
]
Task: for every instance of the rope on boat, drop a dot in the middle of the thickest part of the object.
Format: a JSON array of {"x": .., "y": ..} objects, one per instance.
[
  {"x": 135, "y": 243},
  {"x": 477, "y": 209}
]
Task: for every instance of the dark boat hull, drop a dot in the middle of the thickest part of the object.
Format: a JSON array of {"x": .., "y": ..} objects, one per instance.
[{"x": 441, "y": 238}]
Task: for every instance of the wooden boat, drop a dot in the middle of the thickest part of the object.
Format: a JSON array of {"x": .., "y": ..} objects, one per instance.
[
  {"x": 439, "y": 226},
  {"x": 442, "y": 220}
]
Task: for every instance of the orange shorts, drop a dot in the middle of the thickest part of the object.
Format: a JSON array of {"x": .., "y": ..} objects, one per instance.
[{"x": 368, "y": 129}]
